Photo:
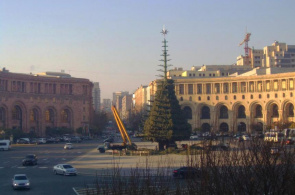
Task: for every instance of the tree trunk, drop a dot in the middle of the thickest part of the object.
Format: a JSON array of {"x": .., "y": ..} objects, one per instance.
[{"x": 161, "y": 146}]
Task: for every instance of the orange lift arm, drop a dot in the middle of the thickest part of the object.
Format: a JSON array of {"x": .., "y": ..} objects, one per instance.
[{"x": 121, "y": 127}]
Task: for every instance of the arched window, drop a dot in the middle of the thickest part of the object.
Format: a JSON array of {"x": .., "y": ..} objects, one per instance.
[
  {"x": 205, "y": 112},
  {"x": 241, "y": 112},
  {"x": 275, "y": 111},
  {"x": 16, "y": 113},
  {"x": 2, "y": 114},
  {"x": 205, "y": 127},
  {"x": 258, "y": 111},
  {"x": 190, "y": 98},
  {"x": 242, "y": 127},
  {"x": 181, "y": 98},
  {"x": 223, "y": 127},
  {"x": 65, "y": 116},
  {"x": 49, "y": 115},
  {"x": 187, "y": 111},
  {"x": 208, "y": 97},
  {"x": 223, "y": 112},
  {"x": 34, "y": 115},
  {"x": 290, "y": 110}
]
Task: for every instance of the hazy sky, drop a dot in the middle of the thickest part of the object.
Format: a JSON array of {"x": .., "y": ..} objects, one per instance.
[{"x": 118, "y": 42}]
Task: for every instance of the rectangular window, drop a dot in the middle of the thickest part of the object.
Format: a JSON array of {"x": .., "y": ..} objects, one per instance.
[
  {"x": 199, "y": 88},
  {"x": 208, "y": 88},
  {"x": 267, "y": 85},
  {"x": 181, "y": 89},
  {"x": 259, "y": 86},
  {"x": 291, "y": 83},
  {"x": 190, "y": 89},
  {"x": 251, "y": 85},
  {"x": 225, "y": 88},
  {"x": 234, "y": 87},
  {"x": 243, "y": 87},
  {"x": 217, "y": 88},
  {"x": 275, "y": 85},
  {"x": 284, "y": 85}
]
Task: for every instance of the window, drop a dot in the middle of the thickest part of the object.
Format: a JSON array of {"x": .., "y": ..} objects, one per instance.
[
  {"x": 291, "y": 82},
  {"x": 217, "y": 88},
  {"x": 234, "y": 88},
  {"x": 235, "y": 97},
  {"x": 199, "y": 88},
  {"x": 181, "y": 89},
  {"x": 223, "y": 112},
  {"x": 259, "y": 86},
  {"x": 199, "y": 98},
  {"x": 275, "y": 111},
  {"x": 267, "y": 85},
  {"x": 190, "y": 98},
  {"x": 267, "y": 95},
  {"x": 276, "y": 95},
  {"x": 275, "y": 85},
  {"x": 225, "y": 88},
  {"x": 190, "y": 89},
  {"x": 208, "y": 88},
  {"x": 258, "y": 113},
  {"x": 225, "y": 97},
  {"x": 208, "y": 98},
  {"x": 259, "y": 96},
  {"x": 243, "y": 87},
  {"x": 284, "y": 95},
  {"x": 251, "y": 96},
  {"x": 241, "y": 112},
  {"x": 251, "y": 86},
  {"x": 205, "y": 112},
  {"x": 217, "y": 98},
  {"x": 243, "y": 97},
  {"x": 187, "y": 111}
]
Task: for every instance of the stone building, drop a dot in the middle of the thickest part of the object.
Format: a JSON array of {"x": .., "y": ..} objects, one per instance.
[
  {"x": 261, "y": 97},
  {"x": 36, "y": 102}
]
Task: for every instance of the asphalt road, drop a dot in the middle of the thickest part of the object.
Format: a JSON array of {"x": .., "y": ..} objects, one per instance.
[{"x": 42, "y": 179}]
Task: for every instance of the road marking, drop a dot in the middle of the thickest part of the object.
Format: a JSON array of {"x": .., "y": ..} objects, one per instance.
[{"x": 21, "y": 167}]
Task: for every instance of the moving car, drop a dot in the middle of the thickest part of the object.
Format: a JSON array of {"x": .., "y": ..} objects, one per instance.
[
  {"x": 30, "y": 159},
  {"x": 186, "y": 172},
  {"x": 109, "y": 139},
  {"x": 68, "y": 146},
  {"x": 22, "y": 141},
  {"x": 20, "y": 181},
  {"x": 64, "y": 169}
]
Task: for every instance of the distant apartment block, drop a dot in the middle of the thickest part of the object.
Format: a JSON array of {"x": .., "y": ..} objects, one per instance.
[
  {"x": 106, "y": 105},
  {"x": 126, "y": 107},
  {"x": 96, "y": 97},
  {"x": 276, "y": 55}
]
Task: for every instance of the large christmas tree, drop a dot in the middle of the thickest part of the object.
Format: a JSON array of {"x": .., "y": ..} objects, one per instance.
[{"x": 166, "y": 122}]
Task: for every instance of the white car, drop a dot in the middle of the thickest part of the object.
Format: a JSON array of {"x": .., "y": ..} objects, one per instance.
[
  {"x": 20, "y": 181},
  {"x": 245, "y": 137},
  {"x": 64, "y": 169},
  {"x": 68, "y": 146}
]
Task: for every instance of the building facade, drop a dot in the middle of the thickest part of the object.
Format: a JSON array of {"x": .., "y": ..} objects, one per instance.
[
  {"x": 236, "y": 103},
  {"x": 96, "y": 97},
  {"x": 33, "y": 103}
]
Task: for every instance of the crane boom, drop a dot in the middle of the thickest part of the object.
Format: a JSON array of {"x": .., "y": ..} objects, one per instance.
[{"x": 121, "y": 127}]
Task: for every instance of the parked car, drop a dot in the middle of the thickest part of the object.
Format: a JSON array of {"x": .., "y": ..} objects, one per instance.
[
  {"x": 20, "y": 181},
  {"x": 289, "y": 141},
  {"x": 30, "y": 159},
  {"x": 64, "y": 169},
  {"x": 186, "y": 172},
  {"x": 76, "y": 139},
  {"x": 245, "y": 137},
  {"x": 42, "y": 140},
  {"x": 68, "y": 146},
  {"x": 194, "y": 137},
  {"x": 22, "y": 141}
]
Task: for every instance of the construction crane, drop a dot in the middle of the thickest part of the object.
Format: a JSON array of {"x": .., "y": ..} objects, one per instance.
[
  {"x": 126, "y": 139},
  {"x": 247, "y": 49}
]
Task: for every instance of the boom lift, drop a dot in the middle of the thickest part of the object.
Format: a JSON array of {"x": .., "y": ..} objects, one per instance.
[{"x": 125, "y": 137}]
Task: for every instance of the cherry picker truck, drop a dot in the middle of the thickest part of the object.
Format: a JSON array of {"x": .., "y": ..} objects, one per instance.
[{"x": 127, "y": 144}]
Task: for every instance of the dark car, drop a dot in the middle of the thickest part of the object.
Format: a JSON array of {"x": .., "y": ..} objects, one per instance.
[
  {"x": 30, "y": 159},
  {"x": 22, "y": 141},
  {"x": 186, "y": 172}
]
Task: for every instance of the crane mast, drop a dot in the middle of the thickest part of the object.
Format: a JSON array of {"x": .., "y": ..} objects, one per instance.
[{"x": 247, "y": 49}]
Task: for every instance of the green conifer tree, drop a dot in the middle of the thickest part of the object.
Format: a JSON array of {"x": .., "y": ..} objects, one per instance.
[{"x": 166, "y": 122}]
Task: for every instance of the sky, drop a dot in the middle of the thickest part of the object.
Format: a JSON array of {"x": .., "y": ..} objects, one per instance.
[{"x": 118, "y": 42}]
